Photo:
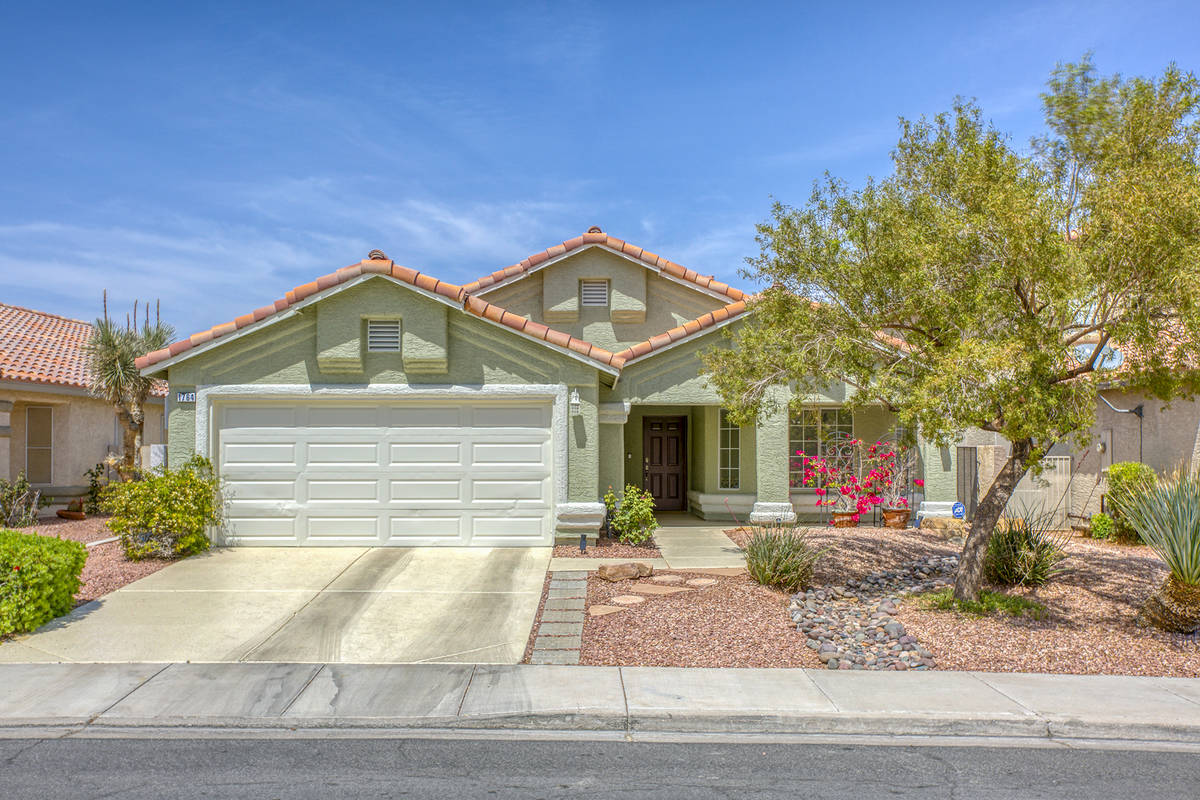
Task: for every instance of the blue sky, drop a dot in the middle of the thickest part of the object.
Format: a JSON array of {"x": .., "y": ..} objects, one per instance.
[{"x": 216, "y": 155}]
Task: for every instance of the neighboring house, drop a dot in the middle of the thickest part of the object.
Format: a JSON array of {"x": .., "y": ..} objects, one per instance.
[
  {"x": 1128, "y": 427},
  {"x": 50, "y": 427},
  {"x": 379, "y": 405}
]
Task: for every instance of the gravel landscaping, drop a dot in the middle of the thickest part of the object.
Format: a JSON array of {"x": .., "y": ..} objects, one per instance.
[
  {"x": 106, "y": 569},
  {"x": 867, "y": 611},
  {"x": 608, "y": 548}
]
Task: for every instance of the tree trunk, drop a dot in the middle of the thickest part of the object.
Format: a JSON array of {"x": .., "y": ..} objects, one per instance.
[
  {"x": 138, "y": 415},
  {"x": 126, "y": 465},
  {"x": 969, "y": 579}
]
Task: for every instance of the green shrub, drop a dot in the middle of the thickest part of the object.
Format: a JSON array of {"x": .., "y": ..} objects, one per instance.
[
  {"x": 91, "y": 501},
  {"x": 39, "y": 576},
  {"x": 988, "y": 603},
  {"x": 1126, "y": 479},
  {"x": 632, "y": 516},
  {"x": 1102, "y": 526},
  {"x": 1166, "y": 514},
  {"x": 166, "y": 514},
  {"x": 19, "y": 502},
  {"x": 1024, "y": 551},
  {"x": 781, "y": 556}
]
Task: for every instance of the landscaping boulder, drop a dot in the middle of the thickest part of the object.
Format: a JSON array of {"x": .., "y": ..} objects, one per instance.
[
  {"x": 624, "y": 572},
  {"x": 946, "y": 526}
]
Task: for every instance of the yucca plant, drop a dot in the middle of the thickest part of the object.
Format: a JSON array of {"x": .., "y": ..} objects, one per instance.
[
  {"x": 1166, "y": 514},
  {"x": 1025, "y": 550},
  {"x": 781, "y": 556},
  {"x": 114, "y": 377}
]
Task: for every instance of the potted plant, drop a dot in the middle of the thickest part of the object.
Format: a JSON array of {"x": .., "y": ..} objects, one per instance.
[
  {"x": 836, "y": 482},
  {"x": 888, "y": 478}
]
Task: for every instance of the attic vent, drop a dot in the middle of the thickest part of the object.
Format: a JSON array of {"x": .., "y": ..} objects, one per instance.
[
  {"x": 383, "y": 335},
  {"x": 376, "y": 255},
  {"x": 593, "y": 293}
]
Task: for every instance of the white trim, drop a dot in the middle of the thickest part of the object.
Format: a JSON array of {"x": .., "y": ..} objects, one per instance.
[
  {"x": 556, "y": 393},
  {"x": 551, "y": 261},
  {"x": 295, "y": 309}
]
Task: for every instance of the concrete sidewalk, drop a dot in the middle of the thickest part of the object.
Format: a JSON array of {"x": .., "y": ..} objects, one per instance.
[{"x": 66, "y": 699}]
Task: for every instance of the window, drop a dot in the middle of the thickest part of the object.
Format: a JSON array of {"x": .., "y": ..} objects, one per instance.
[
  {"x": 730, "y": 460},
  {"x": 383, "y": 335},
  {"x": 593, "y": 293},
  {"x": 39, "y": 435},
  {"x": 811, "y": 430}
]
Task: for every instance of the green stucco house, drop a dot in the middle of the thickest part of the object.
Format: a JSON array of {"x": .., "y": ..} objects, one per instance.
[{"x": 379, "y": 405}]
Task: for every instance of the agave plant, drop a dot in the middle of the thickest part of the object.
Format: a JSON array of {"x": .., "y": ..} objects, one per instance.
[{"x": 1166, "y": 514}]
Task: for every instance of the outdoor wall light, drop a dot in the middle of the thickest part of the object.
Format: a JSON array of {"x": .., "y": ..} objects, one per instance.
[{"x": 574, "y": 402}]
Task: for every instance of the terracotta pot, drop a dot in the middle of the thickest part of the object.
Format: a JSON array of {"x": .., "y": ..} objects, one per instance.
[
  {"x": 895, "y": 518},
  {"x": 845, "y": 519},
  {"x": 62, "y": 512}
]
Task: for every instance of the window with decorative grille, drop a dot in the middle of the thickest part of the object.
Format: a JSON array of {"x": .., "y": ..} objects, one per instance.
[
  {"x": 383, "y": 335},
  {"x": 593, "y": 293}
]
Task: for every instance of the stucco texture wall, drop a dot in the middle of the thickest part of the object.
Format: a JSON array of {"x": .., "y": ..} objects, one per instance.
[
  {"x": 550, "y": 295},
  {"x": 84, "y": 433},
  {"x": 478, "y": 354}
]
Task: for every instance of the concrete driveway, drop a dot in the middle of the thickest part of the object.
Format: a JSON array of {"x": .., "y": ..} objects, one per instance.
[{"x": 397, "y": 605}]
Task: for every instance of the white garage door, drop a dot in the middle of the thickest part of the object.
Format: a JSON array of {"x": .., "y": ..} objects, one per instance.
[{"x": 394, "y": 473}]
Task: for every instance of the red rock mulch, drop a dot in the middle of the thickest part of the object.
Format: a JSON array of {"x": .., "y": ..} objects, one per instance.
[
  {"x": 1089, "y": 626},
  {"x": 608, "y": 548},
  {"x": 106, "y": 569},
  {"x": 733, "y": 623}
]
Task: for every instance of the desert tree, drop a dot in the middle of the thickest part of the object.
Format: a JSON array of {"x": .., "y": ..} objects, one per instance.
[
  {"x": 985, "y": 285},
  {"x": 112, "y": 375}
]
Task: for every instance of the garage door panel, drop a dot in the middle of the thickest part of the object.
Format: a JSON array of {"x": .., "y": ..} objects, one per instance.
[
  {"x": 507, "y": 453},
  {"x": 260, "y": 417},
  {"x": 340, "y": 491},
  {"x": 343, "y": 417},
  {"x": 391, "y": 473},
  {"x": 261, "y": 490},
  {"x": 258, "y": 454},
  {"x": 410, "y": 529},
  {"x": 408, "y": 417},
  {"x": 508, "y": 490},
  {"x": 424, "y": 491},
  {"x": 275, "y": 527},
  {"x": 425, "y": 453},
  {"x": 345, "y": 454},
  {"x": 346, "y": 528}
]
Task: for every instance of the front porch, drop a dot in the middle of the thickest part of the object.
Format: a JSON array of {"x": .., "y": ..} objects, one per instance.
[{"x": 696, "y": 462}]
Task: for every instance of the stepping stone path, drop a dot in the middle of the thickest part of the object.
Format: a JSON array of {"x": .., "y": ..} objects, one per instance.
[
  {"x": 851, "y": 626},
  {"x": 701, "y": 582},
  {"x": 628, "y": 599},
  {"x": 668, "y": 578},
  {"x": 560, "y": 630},
  {"x": 653, "y": 588},
  {"x": 603, "y": 611}
]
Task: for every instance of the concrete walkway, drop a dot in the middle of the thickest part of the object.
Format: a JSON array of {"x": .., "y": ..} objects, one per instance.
[
  {"x": 684, "y": 542},
  {"x": 74, "y": 698}
]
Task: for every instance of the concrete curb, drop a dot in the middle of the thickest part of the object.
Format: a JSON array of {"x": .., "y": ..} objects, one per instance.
[{"x": 133, "y": 699}]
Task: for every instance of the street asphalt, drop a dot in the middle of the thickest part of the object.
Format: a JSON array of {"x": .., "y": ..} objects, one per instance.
[{"x": 497, "y": 769}]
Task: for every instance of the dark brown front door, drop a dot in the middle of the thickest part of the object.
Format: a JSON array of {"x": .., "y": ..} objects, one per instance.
[{"x": 664, "y": 461}]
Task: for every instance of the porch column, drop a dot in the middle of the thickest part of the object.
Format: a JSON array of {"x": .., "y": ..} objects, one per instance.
[
  {"x": 583, "y": 513},
  {"x": 6, "y": 440},
  {"x": 771, "y": 458},
  {"x": 612, "y": 418}
]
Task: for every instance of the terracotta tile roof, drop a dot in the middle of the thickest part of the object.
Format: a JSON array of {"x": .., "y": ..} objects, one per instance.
[
  {"x": 682, "y": 331},
  {"x": 379, "y": 264},
  {"x": 37, "y": 347},
  {"x": 596, "y": 236}
]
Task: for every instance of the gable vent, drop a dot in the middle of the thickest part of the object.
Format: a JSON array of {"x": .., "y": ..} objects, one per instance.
[
  {"x": 593, "y": 293},
  {"x": 383, "y": 335}
]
